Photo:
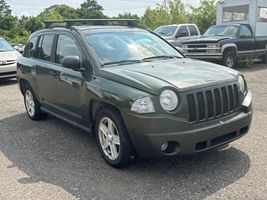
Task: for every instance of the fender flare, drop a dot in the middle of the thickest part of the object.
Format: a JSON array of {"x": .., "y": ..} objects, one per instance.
[{"x": 231, "y": 45}]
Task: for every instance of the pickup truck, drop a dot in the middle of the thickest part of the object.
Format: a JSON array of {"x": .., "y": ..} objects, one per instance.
[
  {"x": 176, "y": 34},
  {"x": 230, "y": 44}
]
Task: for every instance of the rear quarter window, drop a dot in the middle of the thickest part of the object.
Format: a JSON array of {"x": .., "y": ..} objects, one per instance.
[
  {"x": 30, "y": 48},
  {"x": 193, "y": 30}
]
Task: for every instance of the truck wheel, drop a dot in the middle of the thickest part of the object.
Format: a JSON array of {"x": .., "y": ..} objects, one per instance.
[
  {"x": 32, "y": 105},
  {"x": 229, "y": 59},
  {"x": 112, "y": 138}
]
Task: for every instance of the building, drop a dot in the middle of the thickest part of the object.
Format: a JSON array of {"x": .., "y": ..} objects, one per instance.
[{"x": 253, "y": 12}]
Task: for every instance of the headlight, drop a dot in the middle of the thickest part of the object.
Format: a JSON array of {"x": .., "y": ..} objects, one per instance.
[
  {"x": 214, "y": 45},
  {"x": 143, "y": 105},
  {"x": 168, "y": 100},
  {"x": 214, "y": 48},
  {"x": 242, "y": 84}
]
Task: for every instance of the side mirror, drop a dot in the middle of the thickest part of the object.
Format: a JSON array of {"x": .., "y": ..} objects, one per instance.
[{"x": 71, "y": 62}]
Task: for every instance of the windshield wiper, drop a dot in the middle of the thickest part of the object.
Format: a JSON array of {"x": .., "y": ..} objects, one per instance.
[
  {"x": 164, "y": 57},
  {"x": 121, "y": 62}
]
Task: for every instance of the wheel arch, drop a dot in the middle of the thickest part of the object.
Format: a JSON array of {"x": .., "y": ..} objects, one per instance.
[
  {"x": 95, "y": 107},
  {"x": 228, "y": 47},
  {"x": 22, "y": 85}
]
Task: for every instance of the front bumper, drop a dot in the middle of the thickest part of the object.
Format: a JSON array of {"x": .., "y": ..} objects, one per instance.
[
  {"x": 8, "y": 71},
  {"x": 149, "y": 133},
  {"x": 206, "y": 57}
]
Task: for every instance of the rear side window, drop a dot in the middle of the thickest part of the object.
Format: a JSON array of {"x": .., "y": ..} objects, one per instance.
[
  {"x": 30, "y": 48},
  {"x": 66, "y": 46},
  {"x": 183, "y": 32},
  {"x": 44, "y": 50},
  {"x": 245, "y": 32},
  {"x": 193, "y": 30}
]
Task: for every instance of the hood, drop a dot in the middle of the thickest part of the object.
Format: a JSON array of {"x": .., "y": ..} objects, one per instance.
[
  {"x": 209, "y": 39},
  {"x": 182, "y": 74},
  {"x": 9, "y": 55}
]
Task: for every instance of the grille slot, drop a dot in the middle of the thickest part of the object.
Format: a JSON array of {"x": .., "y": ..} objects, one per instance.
[{"x": 213, "y": 103}]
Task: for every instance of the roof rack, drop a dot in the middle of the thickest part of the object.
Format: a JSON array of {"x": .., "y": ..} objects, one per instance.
[{"x": 70, "y": 22}]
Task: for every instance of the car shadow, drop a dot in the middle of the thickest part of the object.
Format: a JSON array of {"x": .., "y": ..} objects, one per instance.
[
  {"x": 252, "y": 68},
  {"x": 6, "y": 82},
  {"x": 57, "y": 153}
]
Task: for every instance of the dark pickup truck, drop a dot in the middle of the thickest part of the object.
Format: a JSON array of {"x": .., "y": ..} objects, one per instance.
[{"x": 229, "y": 44}]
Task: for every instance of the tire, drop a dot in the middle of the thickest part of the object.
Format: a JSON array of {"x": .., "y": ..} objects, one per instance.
[
  {"x": 32, "y": 106},
  {"x": 229, "y": 59},
  {"x": 112, "y": 138},
  {"x": 264, "y": 59}
]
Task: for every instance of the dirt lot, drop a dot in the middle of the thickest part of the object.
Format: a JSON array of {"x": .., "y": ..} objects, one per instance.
[{"x": 53, "y": 160}]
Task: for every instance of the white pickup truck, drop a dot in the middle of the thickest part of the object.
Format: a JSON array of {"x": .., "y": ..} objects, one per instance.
[{"x": 176, "y": 34}]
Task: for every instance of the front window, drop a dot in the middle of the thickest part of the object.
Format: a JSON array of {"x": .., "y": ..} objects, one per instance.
[
  {"x": 166, "y": 31},
  {"x": 113, "y": 47},
  {"x": 66, "y": 46},
  {"x": 227, "y": 31},
  {"x": 4, "y": 46}
]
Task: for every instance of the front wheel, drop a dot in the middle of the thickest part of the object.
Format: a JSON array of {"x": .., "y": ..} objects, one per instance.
[
  {"x": 229, "y": 59},
  {"x": 112, "y": 138}
]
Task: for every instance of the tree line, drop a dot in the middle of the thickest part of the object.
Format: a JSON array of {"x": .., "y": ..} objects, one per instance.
[{"x": 17, "y": 29}]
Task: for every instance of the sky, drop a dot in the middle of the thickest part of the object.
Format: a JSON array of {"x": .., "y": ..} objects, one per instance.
[{"x": 111, "y": 7}]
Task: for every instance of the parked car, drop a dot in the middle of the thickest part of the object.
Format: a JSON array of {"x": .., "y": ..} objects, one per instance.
[
  {"x": 131, "y": 90},
  {"x": 8, "y": 60},
  {"x": 228, "y": 44},
  {"x": 176, "y": 34}
]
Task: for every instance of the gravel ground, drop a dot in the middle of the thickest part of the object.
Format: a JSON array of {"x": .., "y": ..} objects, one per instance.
[{"x": 53, "y": 160}]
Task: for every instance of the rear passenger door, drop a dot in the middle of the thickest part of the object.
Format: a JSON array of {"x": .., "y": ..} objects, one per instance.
[
  {"x": 182, "y": 35},
  {"x": 194, "y": 33},
  {"x": 61, "y": 87}
]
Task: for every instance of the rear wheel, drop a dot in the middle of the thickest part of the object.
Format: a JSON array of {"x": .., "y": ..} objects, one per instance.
[
  {"x": 32, "y": 105},
  {"x": 112, "y": 138},
  {"x": 229, "y": 59}
]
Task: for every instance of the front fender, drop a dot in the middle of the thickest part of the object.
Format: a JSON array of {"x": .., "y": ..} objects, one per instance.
[{"x": 231, "y": 45}]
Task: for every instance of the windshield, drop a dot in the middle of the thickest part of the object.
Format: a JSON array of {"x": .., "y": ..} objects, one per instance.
[
  {"x": 4, "y": 46},
  {"x": 166, "y": 30},
  {"x": 135, "y": 46},
  {"x": 228, "y": 31}
]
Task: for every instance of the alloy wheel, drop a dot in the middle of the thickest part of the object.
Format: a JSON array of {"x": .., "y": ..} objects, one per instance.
[
  {"x": 29, "y": 102},
  {"x": 109, "y": 138}
]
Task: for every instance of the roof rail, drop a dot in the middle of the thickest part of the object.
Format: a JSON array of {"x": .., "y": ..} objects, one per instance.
[{"x": 70, "y": 22}]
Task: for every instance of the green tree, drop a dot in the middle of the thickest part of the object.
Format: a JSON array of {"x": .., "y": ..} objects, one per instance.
[
  {"x": 4, "y": 9},
  {"x": 127, "y": 15},
  {"x": 155, "y": 17},
  {"x": 177, "y": 11},
  {"x": 90, "y": 9},
  {"x": 63, "y": 10},
  {"x": 31, "y": 24},
  {"x": 173, "y": 12},
  {"x": 204, "y": 16}
]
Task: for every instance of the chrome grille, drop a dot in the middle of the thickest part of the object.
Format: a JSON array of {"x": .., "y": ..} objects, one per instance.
[
  {"x": 213, "y": 103},
  {"x": 7, "y": 62}
]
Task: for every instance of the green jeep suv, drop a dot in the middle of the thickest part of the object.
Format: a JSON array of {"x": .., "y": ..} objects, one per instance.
[{"x": 132, "y": 90}]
